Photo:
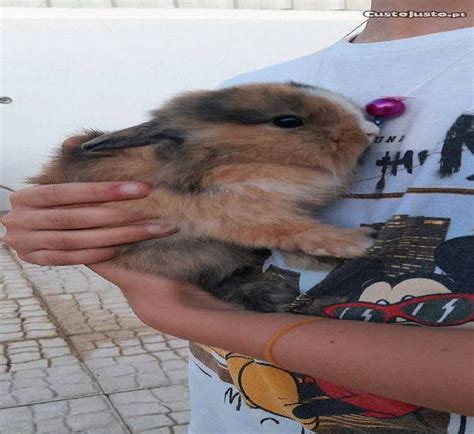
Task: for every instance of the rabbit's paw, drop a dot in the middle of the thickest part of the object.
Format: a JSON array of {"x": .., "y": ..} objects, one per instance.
[{"x": 337, "y": 242}]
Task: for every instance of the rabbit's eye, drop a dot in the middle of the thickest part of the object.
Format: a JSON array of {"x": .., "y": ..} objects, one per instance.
[{"x": 288, "y": 121}]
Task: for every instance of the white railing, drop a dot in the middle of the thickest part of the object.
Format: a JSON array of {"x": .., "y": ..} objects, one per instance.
[{"x": 216, "y": 4}]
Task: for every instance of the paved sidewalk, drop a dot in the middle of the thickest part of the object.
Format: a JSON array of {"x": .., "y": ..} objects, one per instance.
[{"x": 74, "y": 357}]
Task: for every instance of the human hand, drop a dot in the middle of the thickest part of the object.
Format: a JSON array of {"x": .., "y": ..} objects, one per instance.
[{"x": 44, "y": 230}]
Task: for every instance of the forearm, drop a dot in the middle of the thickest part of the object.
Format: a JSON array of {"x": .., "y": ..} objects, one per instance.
[{"x": 428, "y": 367}]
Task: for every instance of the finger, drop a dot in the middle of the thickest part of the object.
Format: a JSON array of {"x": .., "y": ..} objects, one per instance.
[
  {"x": 70, "y": 257},
  {"x": 75, "y": 141},
  {"x": 93, "y": 238},
  {"x": 77, "y": 218},
  {"x": 77, "y": 193}
]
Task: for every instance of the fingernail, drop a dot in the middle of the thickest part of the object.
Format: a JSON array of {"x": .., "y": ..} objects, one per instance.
[
  {"x": 157, "y": 229},
  {"x": 131, "y": 189}
]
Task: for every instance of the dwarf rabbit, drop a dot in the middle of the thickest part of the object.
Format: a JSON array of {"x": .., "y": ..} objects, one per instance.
[{"x": 237, "y": 170}]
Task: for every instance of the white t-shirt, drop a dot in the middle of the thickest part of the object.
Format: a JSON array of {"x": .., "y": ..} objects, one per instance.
[{"x": 415, "y": 185}]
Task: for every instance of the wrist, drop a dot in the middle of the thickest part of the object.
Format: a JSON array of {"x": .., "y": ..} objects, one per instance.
[
  {"x": 240, "y": 331},
  {"x": 152, "y": 299},
  {"x": 174, "y": 307}
]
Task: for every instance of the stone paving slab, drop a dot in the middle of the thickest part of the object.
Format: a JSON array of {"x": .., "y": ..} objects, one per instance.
[
  {"x": 132, "y": 359},
  {"x": 22, "y": 315},
  {"x": 92, "y": 415},
  {"x": 64, "y": 280},
  {"x": 163, "y": 409},
  {"x": 80, "y": 300},
  {"x": 24, "y": 318},
  {"x": 41, "y": 370},
  {"x": 13, "y": 284},
  {"x": 91, "y": 311},
  {"x": 68, "y": 339}
]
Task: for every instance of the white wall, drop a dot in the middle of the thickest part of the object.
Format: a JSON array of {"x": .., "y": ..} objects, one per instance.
[{"x": 66, "y": 69}]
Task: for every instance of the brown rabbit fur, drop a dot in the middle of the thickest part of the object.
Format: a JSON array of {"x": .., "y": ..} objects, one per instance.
[{"x": 233, "y": 175}]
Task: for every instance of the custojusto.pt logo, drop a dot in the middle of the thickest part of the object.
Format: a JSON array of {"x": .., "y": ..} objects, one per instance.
[{"x": 413, "y": 14}]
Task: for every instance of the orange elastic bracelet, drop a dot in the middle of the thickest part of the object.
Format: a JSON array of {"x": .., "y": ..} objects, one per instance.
[{"x": 280, "y": 332}]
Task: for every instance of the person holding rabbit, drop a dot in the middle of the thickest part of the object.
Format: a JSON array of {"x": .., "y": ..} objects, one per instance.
[{"x": 385, "y": 344}]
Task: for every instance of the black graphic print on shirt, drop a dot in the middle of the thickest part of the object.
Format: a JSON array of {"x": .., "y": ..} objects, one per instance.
[
  {"x": 412, "y": 275},
  {"x": 459, "y": 139}
]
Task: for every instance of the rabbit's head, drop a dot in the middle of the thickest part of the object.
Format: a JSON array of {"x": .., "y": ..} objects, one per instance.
[{"x": 285, "y": 123}]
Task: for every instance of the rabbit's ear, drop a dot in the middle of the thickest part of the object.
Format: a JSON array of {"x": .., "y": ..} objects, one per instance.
[{"x": 146, "y": 134}]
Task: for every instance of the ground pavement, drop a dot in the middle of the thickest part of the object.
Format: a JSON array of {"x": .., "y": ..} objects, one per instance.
[{"x": 74, "y": 357}]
